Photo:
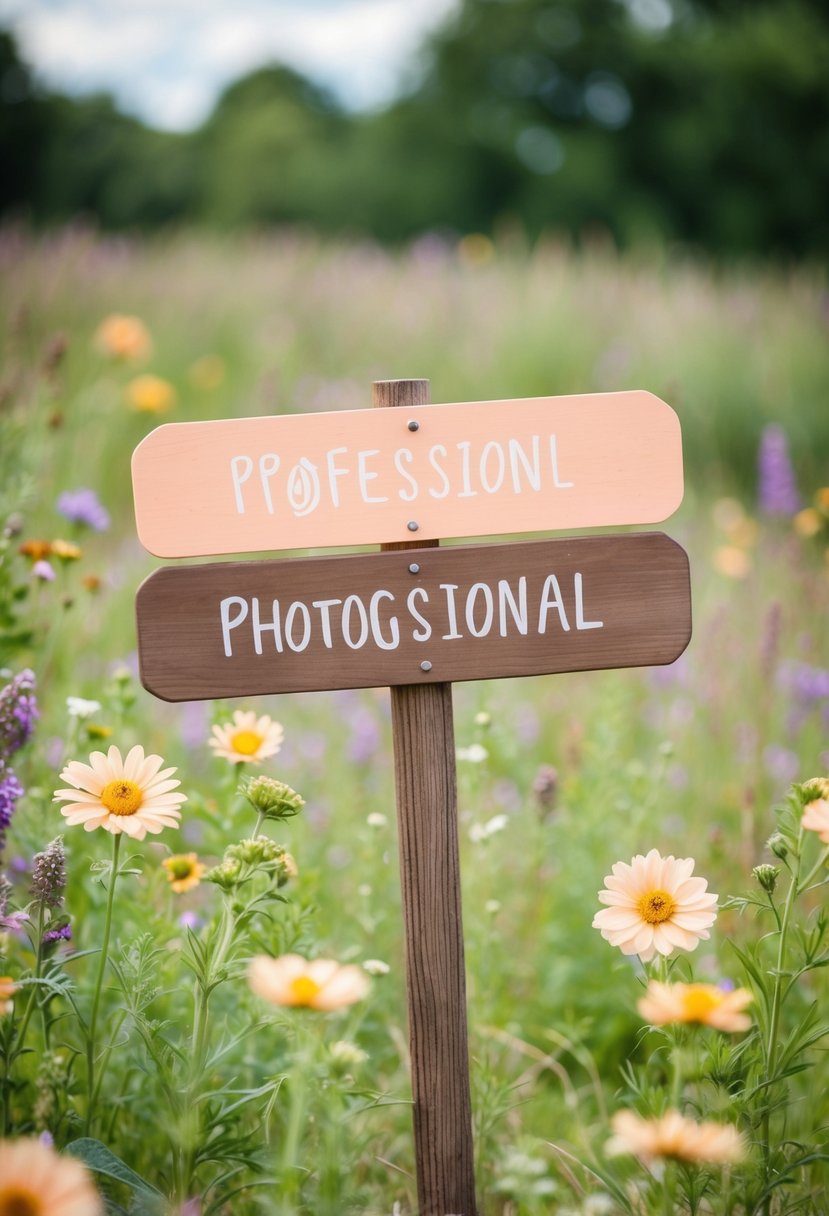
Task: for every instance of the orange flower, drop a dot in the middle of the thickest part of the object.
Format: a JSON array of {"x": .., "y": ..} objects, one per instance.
[
  {"x": 151, "y": 395},
  {"x": 37, "y": 1181},
  {"x": 808, "y": 522},
  {"x": 732, "y": 561},
  {"x": 36, "y": 550},
  {"x": 704, "y": 1004},
  {"x": 675, "y": 1137},
  {"x": 184, "y": 871},
  {"x": 7, "y": 991},
  {"x": 124, "y": 338}
]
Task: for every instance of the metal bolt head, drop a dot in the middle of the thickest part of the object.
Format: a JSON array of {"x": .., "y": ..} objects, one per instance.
[
  {"x": 425, "y": 665},
  {"x": 414, "y": 568},
  {"x": 414, "y": 426},
  {"x": 413, "y": 525}
]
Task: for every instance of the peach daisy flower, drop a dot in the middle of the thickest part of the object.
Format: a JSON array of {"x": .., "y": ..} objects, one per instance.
[
  {"x": 816, "y": 812},
  {"x": 123, "y": 337},
  {"x": 184, "y": 871},
  {"x": 7, "y": 991},
  {"x": 292, "y": 980},
  {"x": 37, "y": 1181},
  {"x": 674, "y": 1136},
  {"x": 702, "y": 1003},
  {"x": 655, "y": 907},
  {"x": 247, "y": 739},
  {"x": 133, "y": 795}
]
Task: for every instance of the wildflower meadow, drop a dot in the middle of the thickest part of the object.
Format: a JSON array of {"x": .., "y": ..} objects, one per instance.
[{"x": 202, "y": 975}]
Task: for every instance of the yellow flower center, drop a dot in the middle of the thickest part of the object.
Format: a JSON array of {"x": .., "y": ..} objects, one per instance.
[
  {"x": 656, "y": 906},
  {"x": 180, "y": 867},
  {"x": 700, "y": 1000},
  {"x": 14, "y": 1202},
  {"x": 304, "y": 989},
  {"x": 246, "y": 742},
  {"x": 122, "y": 797}
]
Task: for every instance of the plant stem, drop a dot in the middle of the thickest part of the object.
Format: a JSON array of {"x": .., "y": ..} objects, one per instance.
[
  {"x": 774, "y": 1013},
  {"x": 96, "y": 1000}
]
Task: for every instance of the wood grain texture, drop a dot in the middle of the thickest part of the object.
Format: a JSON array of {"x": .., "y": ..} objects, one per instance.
[
  {"x": 427, "y": 811},
  {"x": 637, "y": 585}
]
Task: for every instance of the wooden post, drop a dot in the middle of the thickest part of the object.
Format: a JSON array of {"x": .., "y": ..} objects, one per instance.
[{"x": 425, "y": 781}]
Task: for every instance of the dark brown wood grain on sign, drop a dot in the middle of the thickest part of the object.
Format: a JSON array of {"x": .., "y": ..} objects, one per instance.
[
  {"x": 636, "y": 585},
  {"x": 427, "y": 815}
]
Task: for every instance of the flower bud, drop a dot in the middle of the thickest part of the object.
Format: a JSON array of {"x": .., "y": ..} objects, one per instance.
[
  {"x": 271, "y": 798},
  {"x": 767, "y": 876},
  {"x": 225, "y": 875},
  {"x": 777, "y": 845}
]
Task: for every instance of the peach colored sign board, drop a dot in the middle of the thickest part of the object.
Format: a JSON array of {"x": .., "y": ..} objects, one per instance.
[{"x": 379, "y": 476}]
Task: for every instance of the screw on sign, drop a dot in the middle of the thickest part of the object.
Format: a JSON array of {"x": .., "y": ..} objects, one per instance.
[{"x": 414, "y": 623}]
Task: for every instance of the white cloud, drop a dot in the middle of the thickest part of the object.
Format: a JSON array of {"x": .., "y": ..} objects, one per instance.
[{"x": 168, "y": 59}]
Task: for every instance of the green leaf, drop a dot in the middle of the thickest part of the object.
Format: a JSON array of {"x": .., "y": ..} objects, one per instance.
[{"x": 101, "y": 1160}]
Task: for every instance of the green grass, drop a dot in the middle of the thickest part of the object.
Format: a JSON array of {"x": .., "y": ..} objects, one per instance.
[{"x": 690, "y": 761}]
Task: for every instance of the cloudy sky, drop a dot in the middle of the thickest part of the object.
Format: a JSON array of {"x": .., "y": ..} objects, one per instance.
[{"x": 166, "y": 60}]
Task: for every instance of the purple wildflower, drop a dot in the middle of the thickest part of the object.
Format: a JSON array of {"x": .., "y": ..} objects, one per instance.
[
  {"x": 45, "y": 571},
  {"x": 49, "y": 874},
  {"x": 18, "y": 712},
  {"x": 62, "y": 934},
  {"x": 806, "y": 683},
  {"x": 365, "y": 736},
  {"x": 82, "y": 507},
  {"x": 777, "y": 487},
  {"x": 10, "y": 791}
]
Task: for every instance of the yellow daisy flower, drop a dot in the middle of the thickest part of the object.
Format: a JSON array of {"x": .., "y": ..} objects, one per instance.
[
  {"x": 184, "y": 871},
  {"x": 151, "y": 395},
  {"x": 132, "y": 795},
  {"x": 293, "y": 981},
  {"x": 247, "y": 739},
  {"x": 66, "y": 551},
  {"x": 655, "y": 906},
  {"x": 705, "y": 1004},
  {"x": 675, "y": 1137},
  {"x": 37, "y": 1181}
]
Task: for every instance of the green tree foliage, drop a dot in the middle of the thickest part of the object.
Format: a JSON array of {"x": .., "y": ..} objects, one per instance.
[{"x": 703, "y": 121}]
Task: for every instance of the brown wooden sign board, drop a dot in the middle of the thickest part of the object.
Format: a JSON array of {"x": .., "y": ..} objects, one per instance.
[
  {"x": 355, "y": 477},
  {"x": 464, "y": 612}
]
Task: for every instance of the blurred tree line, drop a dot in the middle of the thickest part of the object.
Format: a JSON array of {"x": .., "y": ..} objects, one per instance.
[{"x": 700, "y": 121}]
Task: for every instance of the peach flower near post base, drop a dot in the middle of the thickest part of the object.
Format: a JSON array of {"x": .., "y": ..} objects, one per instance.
[
  {"x": 293, "y": 981},
  {"x": 676, "y": 1138},
  {"x": 655, "y": 906},
  {"x": 37, "y": 1181}
]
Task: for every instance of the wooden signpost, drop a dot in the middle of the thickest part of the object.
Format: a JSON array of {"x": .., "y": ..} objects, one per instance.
[
  {"x": 351, "y": 478},
  {"x": 414, "y": 617}
]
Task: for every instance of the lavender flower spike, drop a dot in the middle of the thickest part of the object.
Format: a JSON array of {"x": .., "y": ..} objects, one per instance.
[
  {"x": 777, "y": 487},
  {"x": 83, "y": 507},
  {"x": 49, "y": 874},
  {"x": 10, "y": 791},
  {"x": 18, "y": 712}
]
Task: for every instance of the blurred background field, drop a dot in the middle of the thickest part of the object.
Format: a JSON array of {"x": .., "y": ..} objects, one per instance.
[
  {"x": 566, "y": 774},
  {"x": 556, "y": 198}
]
